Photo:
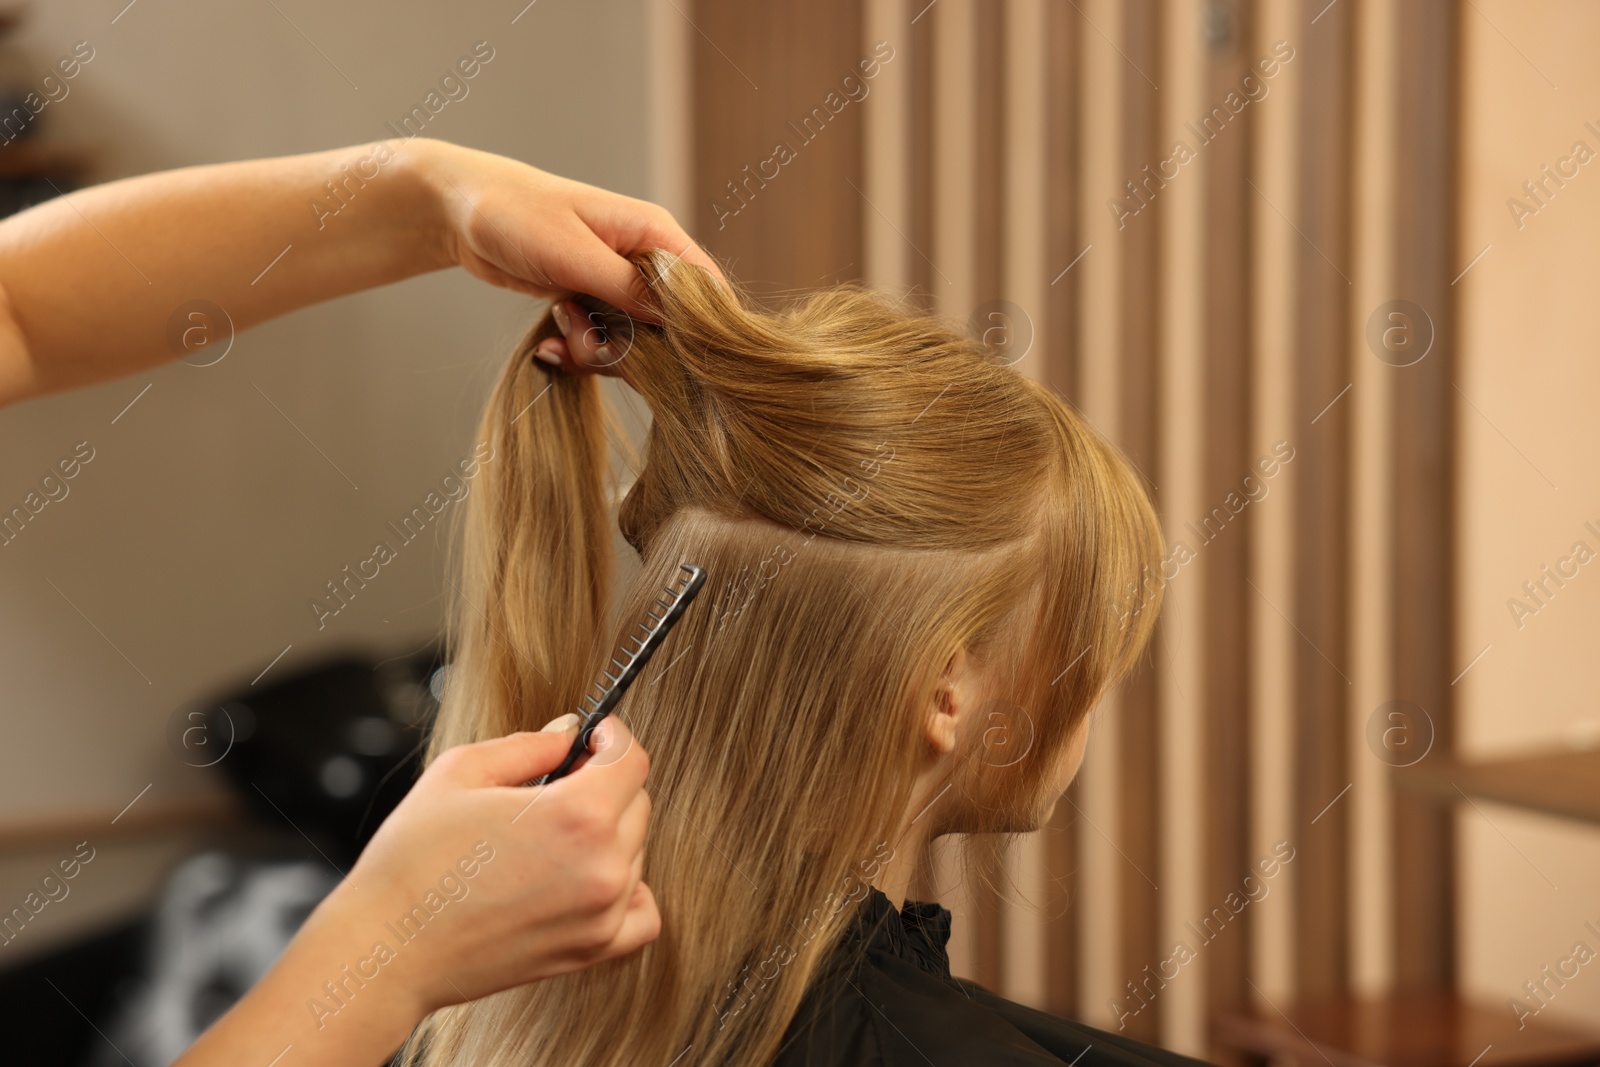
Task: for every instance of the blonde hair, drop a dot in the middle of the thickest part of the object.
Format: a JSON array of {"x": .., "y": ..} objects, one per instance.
[{"x": 869, "y": 490}]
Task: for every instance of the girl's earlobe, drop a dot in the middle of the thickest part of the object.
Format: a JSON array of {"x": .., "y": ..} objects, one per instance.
[
  {"x": 948, "y": 705},
  {"x": 943, "y": 721}
]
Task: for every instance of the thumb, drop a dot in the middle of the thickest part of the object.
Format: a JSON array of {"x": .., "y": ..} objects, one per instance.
[{"x": 516, "y": 758}]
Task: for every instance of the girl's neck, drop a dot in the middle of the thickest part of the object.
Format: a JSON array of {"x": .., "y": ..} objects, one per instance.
[{"x": 893, "y": 879}]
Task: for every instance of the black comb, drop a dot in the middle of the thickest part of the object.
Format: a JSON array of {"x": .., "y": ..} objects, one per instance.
[{"x": 647, "y": 635}]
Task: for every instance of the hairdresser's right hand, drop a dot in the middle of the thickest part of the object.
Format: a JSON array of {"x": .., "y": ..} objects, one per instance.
[
  {"x": 529, "y": 882},
  {"x": 474, "y": 884}
]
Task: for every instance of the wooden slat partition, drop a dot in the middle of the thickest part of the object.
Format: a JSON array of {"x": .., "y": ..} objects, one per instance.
[{"x": 1103, "y": 326}]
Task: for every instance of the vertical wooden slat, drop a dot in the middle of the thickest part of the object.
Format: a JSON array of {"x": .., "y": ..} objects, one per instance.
[
  {"x": 887, "y": 150},
  {"x": 990, "y": 144},
  {"x": 1372, "y": 579},
  {"x": 1025, "y": 280},
  {"x": 671, "y": 110},
  {"x": 1322, "y": 469},
  {"x": 1063, "y": 242},
  {"x": 1179, "y": 656},
  {"x": 1275, "y": 166},
  {"x": 988, "y": 239},
  {"x": 919, "y": 53},
  {"x": 1061, "y": 906},
  {"x": 1424, "y": 449},
  {"x": 954, "y": 256},
  {"x": 756, "y": 82},
  {"x": 1098, "y": 279},
  {"x": 1064, "y": 238},
  {"x": 1140, "y": 786},
  {"x": 1225, "y": 615}
]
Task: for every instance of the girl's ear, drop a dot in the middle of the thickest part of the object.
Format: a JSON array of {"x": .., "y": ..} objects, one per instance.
[{"x": 951, "y": 705}]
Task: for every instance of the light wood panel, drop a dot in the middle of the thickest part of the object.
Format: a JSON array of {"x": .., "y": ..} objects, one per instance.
[
  {"x": 1064, "y": 241},
  {"x": 1229, "y": 394},
  {"x": 1141, "y": 783},
  {"x": 989, "y": 218},
  {"x": 1272, "y": 818},
  {"x": 760, "y": 77},
  {"x": 1423, "y": 503},
  {"x": 1322, "y": 472},
  {"x": 1371, "y": 670}
]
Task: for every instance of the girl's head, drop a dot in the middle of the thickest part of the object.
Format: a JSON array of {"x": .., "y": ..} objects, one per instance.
[{"x": 922, "y": 571}]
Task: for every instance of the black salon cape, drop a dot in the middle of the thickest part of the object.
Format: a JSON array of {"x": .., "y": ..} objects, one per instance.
[{"x": 887, "y": 1000}]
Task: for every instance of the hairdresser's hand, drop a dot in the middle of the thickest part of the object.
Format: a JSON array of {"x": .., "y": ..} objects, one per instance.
[
  {"x": 473, "y": 884},
  {"x": 519, "y": 227},
  {"x": 380, "y": 212},
  {"x": 548, "y": 878}
]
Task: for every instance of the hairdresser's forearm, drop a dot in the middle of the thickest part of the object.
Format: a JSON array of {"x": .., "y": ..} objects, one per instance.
[
  {"x": 308, "y": 1009},
  {"x": 89, "y": 281}
]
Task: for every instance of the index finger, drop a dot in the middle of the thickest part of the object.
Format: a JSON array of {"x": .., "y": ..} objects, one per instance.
[
  {"x": 627, "y": 226},
  {"x": 668, "y": 235}
]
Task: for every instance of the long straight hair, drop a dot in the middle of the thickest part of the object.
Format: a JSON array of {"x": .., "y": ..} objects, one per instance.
[{"x": 869, "y": 490}]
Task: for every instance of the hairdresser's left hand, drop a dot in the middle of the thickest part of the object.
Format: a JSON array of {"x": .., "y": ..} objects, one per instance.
[
  {"x": 379, "y": 213},
  {"x": 522, "y": 228}
]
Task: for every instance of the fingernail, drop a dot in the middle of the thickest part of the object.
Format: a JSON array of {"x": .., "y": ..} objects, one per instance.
[
  {"x": 560, "y": 313},
  {"x": 602, "y": 735},
  {"x": 545, "y": 354},
  {"x": 561, "y": 724},
  {"x": 605, "y": 355}
]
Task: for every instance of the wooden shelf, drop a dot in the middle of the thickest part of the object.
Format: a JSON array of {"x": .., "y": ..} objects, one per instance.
[
  {"x": 1565, "y": 782},
  {"x": 36, "y": 159},
  {"x": 1406, "y": 1030},
  {"x": 148, "y": 817}
]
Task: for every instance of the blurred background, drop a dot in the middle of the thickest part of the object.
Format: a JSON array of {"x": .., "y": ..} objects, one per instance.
[{"x": 1324, "y": 270}]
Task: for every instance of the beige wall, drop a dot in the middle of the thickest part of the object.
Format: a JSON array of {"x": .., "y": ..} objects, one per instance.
[
  {"x": 203, "y": 525},
  {"x": 1530, "y": 468}
]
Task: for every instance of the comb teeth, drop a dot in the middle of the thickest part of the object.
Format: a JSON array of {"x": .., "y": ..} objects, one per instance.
[
  {"x": 644, "y": 637},
  {"x": 629, "y": 662}
]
